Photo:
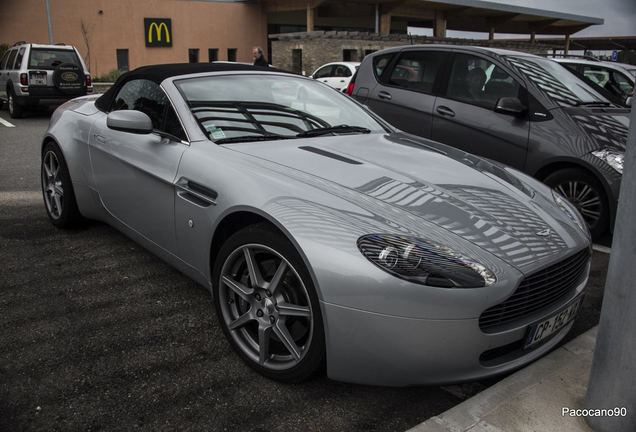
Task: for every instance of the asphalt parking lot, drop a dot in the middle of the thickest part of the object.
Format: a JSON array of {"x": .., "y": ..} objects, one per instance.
[{"x": 98, "y": 334}]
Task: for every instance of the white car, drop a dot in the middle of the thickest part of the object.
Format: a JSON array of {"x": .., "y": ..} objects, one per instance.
[
  {"x": 613, "y": 77},
  {"x": 337, "y": 74}
]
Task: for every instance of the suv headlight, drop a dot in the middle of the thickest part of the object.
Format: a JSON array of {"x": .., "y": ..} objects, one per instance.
[
  {"x": 568, "y": 208},
  {"x": 424, "y": 262},
  {"x": 613, "y": 158}
]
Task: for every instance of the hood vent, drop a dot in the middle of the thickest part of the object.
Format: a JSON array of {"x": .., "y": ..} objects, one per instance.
[{"x": 330, "y": 155}]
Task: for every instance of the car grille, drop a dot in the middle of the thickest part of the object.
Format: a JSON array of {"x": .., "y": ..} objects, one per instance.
[{"x": 538, "y": 290}]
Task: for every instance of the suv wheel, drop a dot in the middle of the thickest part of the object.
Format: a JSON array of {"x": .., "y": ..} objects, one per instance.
[
  {"x": 586, "y": 193},
  {"x": 15, "y": 110}
]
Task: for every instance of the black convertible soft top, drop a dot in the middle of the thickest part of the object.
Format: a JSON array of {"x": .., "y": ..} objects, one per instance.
[{"x": 158, "y": 73}]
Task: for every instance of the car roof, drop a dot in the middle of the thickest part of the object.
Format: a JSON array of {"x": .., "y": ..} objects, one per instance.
[
  {"x": 158, "y": 73},
  {"x": 60, "y": 46}
]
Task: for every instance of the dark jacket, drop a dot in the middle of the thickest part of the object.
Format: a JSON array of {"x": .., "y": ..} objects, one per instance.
[{"x": 261, "y": 61}]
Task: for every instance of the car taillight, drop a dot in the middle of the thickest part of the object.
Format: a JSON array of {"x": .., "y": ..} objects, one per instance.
[
  {"x": 88, "y": 81},
  {"x": 24, "y": 79},
  {"x": 350, "y": 88}
]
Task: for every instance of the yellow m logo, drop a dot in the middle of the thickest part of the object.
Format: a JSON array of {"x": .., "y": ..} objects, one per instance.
[{"x": 158, "y": 29}]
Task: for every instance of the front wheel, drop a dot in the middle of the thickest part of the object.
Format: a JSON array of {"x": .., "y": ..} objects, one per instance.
[
  {"x": 586, "y": 193},
  {"x": 57, "y": 189},
  {"x": 267, "y": 305}
]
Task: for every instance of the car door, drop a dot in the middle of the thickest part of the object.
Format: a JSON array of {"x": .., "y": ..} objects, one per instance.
[
  {"x": 134, "y": 173},
  {"x": 405, "y": 95},
  {"x": 464, "y": 115}
]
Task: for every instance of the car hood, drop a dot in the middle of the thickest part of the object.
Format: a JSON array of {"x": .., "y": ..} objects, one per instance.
[{"x": 442, "y": 193}]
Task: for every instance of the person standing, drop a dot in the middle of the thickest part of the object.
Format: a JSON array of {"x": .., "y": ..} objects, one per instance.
[{"x": 259, "y": 57}]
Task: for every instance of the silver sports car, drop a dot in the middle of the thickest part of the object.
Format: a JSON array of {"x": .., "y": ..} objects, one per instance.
[{"x": 325, "y": 235}]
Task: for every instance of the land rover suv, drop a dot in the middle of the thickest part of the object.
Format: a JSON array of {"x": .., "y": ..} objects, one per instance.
[
  {"x": 519, "y": 109},
  {"x": 32, "y": 75}
]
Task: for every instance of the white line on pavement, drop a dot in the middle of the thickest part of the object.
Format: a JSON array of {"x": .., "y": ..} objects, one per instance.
[
  {"x": 6, "y": 123},
  {"x": 600, "y": 248}
]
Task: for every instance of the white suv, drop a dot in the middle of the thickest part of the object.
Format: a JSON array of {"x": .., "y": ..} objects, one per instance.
[{"x": 32, "y": 74}]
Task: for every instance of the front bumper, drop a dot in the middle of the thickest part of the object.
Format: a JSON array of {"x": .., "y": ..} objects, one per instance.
[{"x": 376, "y": 349}]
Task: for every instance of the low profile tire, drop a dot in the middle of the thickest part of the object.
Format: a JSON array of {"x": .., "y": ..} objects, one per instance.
[
  {"x": 57, "y": 189},
  {"x": 586, "y": 193},
  {"x": 267, "y": 305},
  {"x": 15, "y": 110}
]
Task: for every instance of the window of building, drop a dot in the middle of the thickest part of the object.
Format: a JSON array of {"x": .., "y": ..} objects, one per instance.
[
  {"x": 231, "y": 54},
  {"x": 213, "y": 54},
  {"x": 193, "y": 55},
  {"x": 122, "y": 60},
  {"x": 349, "y": 55}
]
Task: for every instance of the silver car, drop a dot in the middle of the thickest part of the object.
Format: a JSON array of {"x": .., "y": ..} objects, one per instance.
[{"x": 324, "y": 235}]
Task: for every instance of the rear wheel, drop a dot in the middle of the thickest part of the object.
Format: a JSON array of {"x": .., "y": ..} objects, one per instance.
[
  {"x": 15, "y": 110},
  {"x": 57, "y": 189},
  {"x": 267, "y": 305},
  {"x": 586, "y": 193}
]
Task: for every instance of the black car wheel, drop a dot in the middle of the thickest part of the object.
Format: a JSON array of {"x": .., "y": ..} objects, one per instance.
[
  {"x": 267, "y": 304},
  {"x": 586, "y": 193},
  {"x": 15, "y": 110},
  {"x": 57, "y": 189}
]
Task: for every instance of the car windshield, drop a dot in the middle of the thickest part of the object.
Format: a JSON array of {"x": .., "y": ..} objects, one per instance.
[
  {"x": 46, "y": 58},
  {"x": 563, "y": 87},
  {"x": 252, "y": 107}
]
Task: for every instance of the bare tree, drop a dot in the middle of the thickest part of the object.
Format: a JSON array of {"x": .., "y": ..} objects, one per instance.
[{"x": 87, "y": 32}]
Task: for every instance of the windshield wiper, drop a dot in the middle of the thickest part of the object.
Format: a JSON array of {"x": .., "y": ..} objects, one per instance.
[
  {"x": 333, "y": 129},
  {"x": 248, "y": 138},
  {"x": 590, "y": 103}
]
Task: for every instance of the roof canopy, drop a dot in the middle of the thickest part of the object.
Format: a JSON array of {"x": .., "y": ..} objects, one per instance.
[{"x": 441, "y": 15}]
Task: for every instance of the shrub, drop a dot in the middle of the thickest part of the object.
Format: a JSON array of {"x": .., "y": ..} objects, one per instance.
[{"x": 109, "y": 77}]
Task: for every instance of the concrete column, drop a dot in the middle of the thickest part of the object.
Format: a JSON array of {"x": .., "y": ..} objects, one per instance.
[
  {"x": 533, "y": 37},
  {"x": 491, "y": 35},
  {"x": 385, "y": 24},
  {"x": 439, "y": 28},
  {"x": 377, "y": 17},
  {"x": 310, "y": 18},
  {"x": 567, "y": 45},
  {"x": 613, "y": 372}
]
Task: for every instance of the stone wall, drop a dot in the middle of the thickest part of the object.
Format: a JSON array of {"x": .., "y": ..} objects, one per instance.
[{"x": 320, "y": 47}]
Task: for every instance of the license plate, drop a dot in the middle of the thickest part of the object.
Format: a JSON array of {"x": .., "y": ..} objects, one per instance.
[
  {"x": 37, "y": 78},
  {"x": 542, "y": 330}
]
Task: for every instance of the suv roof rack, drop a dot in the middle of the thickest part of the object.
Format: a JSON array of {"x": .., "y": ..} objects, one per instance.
[
  {"x": 19, "y": 43},
  {"x": 585, "y": 57}
]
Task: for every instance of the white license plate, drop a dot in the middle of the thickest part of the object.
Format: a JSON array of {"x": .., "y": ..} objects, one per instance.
[
  {"x": 545, "y": 328},
  {"x": 37, "y": 78}
]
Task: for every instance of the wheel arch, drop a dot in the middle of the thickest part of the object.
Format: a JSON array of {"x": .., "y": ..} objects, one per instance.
[
  {"x": 237, "y": 220},
  {"x": 542, "y": 173}
]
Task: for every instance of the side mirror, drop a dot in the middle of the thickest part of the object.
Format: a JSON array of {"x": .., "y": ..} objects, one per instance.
[
  {"x": 510, "y": 106},
  {"x": 131, "y": 121}
]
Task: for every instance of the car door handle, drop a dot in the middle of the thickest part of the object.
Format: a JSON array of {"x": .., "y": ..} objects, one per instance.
[
  {"x": 384, "y": 95},
  {"x": 446, "y": 111},
  {"x": 100, "y": 138}
]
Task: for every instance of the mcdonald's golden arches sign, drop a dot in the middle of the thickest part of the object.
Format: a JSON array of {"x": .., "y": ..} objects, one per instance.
[{"x": 158, "y": 32}]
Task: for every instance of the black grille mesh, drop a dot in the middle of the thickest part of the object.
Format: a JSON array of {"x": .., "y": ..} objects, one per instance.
[{"x": 538, "y": 290}]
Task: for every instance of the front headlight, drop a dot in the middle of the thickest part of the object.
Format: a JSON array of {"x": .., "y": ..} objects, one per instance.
[
  {"x": 613, "y": 158},
  {"x": 424, "y": 262},
  {"x": 568, "y": 208}
]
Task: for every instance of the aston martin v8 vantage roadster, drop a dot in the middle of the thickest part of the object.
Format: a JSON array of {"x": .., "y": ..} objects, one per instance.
[{"x": 328, "y": 239}]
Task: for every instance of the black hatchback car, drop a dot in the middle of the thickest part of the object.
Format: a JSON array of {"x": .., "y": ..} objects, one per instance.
[{"x": 519, "y": 109}]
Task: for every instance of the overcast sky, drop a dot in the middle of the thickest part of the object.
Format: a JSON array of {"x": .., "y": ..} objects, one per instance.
[{"x": 619, "y": 16}]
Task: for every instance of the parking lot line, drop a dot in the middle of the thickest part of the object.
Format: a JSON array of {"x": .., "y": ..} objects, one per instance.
[{"x": 6, "y": 123}]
